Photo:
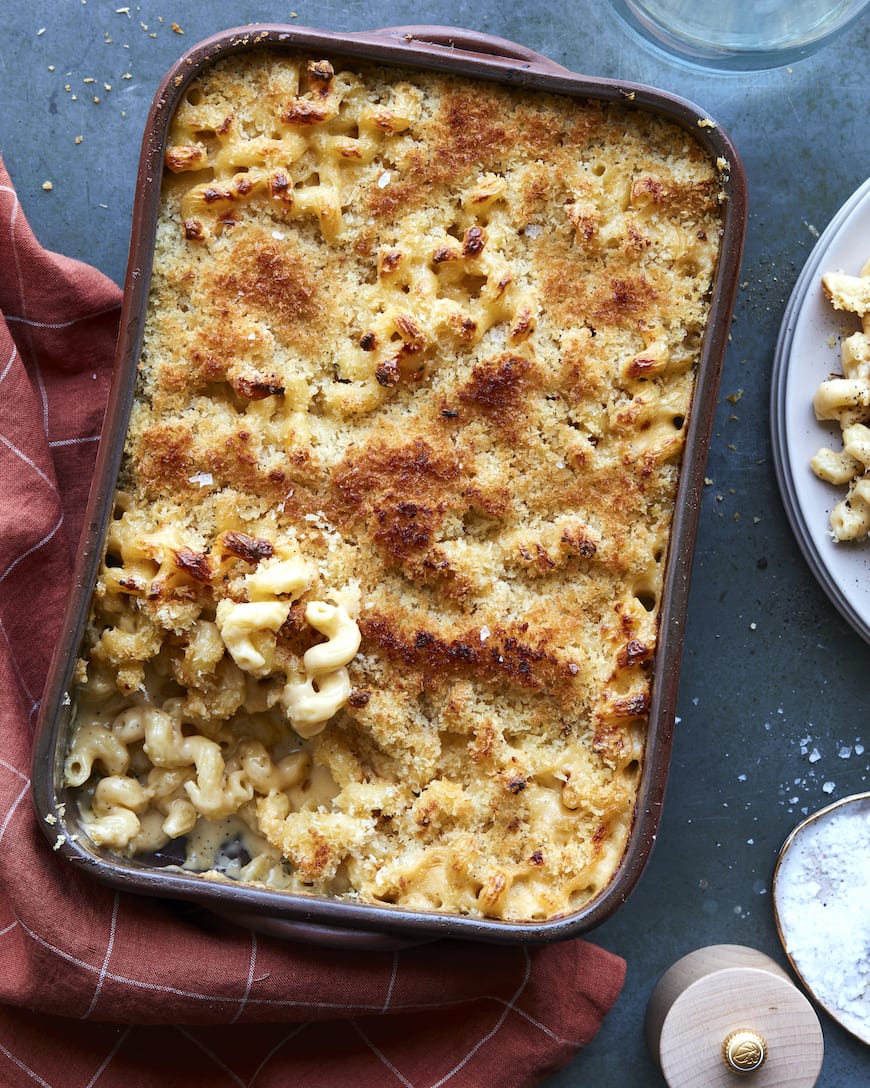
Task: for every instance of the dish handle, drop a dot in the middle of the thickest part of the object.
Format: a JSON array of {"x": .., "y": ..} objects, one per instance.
[
  {"x": 456, "y": 39},
  {"x": 325, "y": 936}
]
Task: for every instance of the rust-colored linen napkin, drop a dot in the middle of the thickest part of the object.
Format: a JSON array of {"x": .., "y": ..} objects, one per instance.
[{"x": 109, "y": 989}]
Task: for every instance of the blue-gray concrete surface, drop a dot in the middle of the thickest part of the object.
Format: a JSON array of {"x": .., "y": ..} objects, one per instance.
[{"x": 770, "y": 670}]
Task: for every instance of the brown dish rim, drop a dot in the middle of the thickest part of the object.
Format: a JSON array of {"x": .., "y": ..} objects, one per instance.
[{"x": 335, "y": 921}]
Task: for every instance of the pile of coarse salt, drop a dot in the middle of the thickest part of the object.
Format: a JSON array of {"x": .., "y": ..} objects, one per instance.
[{"x": 822, "y": 899}]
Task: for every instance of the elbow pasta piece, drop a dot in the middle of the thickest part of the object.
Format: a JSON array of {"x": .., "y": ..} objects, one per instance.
[
  {"x": 203, "y": 652},
  {"x": 120, "y": 791},
  {"x": 94, "y": 744},
  {"x": 855, "y": 355},
  {"x": 311, "y": 702},
  {"x": 839, "y": 398},
  {"x": 214, "y": 793},
  {"x": 115, "y": 829},
  {"x": 342, "y": 633},
  {"x": 117, "y": 805},
  {"x": 167, "y": 783},
  {"x": 180, "y": 817},
  {"x": 287, "y": 577},
  {"x": 834, "y": 467},
  {"x": 850, "y": 519},
  {"x": 856, "y": 444},
  {"x": 129, "y": 725},
  {"x": 846, "y": 292},
  {"x": 266, "y": 775},
  {"x": 175, "y": 813},
  {"x": 150, "y": 835},
  {"x": 238, "y": 623}
]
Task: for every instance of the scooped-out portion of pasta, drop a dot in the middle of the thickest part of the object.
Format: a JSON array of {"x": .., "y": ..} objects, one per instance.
[{"x": 381, "y": 592}]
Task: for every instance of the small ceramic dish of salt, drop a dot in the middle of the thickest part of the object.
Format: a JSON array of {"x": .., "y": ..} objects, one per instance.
[{"x": 821, "y": 897}]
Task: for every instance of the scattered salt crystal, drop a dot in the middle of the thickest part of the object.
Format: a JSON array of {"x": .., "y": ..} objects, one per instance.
[
  {"x": 384, "y": 180},
  {"x": 533, "y": 230},
  {"x": 204, "y": 479},
  {"x": 484, "y": 633},
  {"x": 845, "y": 752},
  {"x": 815, "y": 755},
  {"x": 859, "y": 749},
  {"x": 278, "y": 236},
  {"x": 828, "y": 787}
]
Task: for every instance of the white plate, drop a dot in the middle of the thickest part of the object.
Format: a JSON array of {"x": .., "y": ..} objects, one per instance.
[{"x": 808, "y": 352}]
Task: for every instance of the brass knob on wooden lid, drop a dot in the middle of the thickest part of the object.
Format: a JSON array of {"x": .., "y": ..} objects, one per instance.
[
  {"x": 744, "y": 1051},
  {"x": 727, "y": 1014}
]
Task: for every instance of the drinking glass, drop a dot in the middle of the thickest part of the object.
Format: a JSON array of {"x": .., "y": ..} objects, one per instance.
[{"x": 740, "y": 34}]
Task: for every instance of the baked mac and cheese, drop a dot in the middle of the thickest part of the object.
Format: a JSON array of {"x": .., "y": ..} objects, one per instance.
[
  {"x": 845, "y": 399},
  {"x": 380, "y": 596}
]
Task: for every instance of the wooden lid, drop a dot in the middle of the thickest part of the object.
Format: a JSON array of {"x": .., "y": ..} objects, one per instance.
[{"x": 727, "y": 1016}]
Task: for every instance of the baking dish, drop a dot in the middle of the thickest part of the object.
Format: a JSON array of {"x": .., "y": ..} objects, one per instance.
[{"x": 341, "y": 921}]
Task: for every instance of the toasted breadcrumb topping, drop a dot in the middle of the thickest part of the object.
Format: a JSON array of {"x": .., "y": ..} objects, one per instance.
[{"x": 433, "y": 342}]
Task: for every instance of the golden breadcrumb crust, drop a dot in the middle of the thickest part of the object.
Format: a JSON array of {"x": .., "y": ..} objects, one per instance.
[{"x": 436, "y": 339}]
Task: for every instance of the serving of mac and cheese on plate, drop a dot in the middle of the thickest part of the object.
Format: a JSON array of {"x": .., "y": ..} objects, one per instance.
[
  {"x": 819, "y": 410},
  {"x": 379, "y": 607},
  {"x": 846, "y": 398}
]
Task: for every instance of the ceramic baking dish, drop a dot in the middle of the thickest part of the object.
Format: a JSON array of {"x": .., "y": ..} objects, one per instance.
[{"x": 335, "y": 920}]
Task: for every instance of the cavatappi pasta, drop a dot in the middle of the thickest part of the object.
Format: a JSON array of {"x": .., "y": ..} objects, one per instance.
[
  {"x": 380, "y": 597},
  {"x": 845, "y": 399}
]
